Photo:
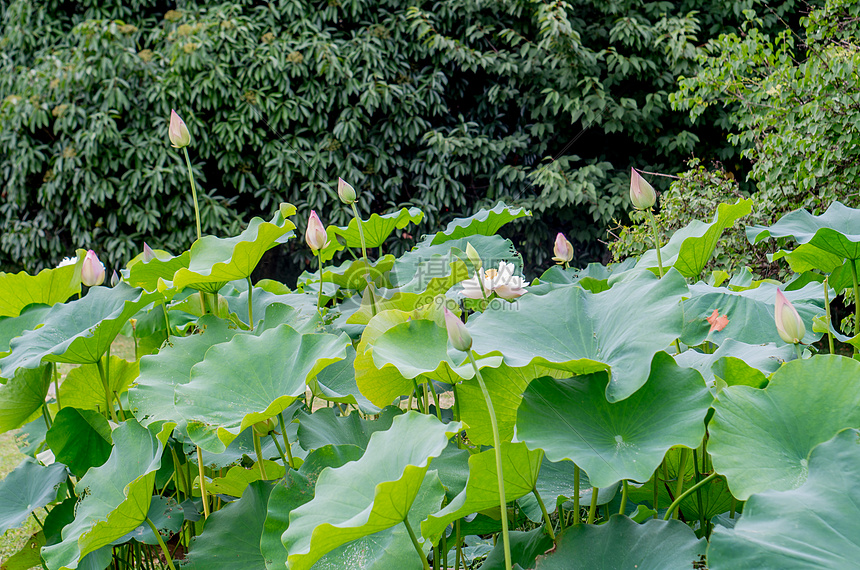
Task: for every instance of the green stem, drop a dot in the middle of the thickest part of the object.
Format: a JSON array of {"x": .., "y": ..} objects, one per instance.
[
  {"x": 798, "y": 350},
  {"x": 56, "y": 378},
  {"x": 656, "y": 491},
  {"x": 417, "y": 390},
  {"x": 682, "y": 470},
  {"x": 202, "y": 473},
  {"x": 547, "y": 522},
  {"x": 259, "y": 451},
  {"x": 278, "y": 446},
  {"x": 829, "y": 320},
  {"x": 687, "y": 493},
  {"x": 193, "y": 191},
  {"x": 166, "y": 320},
  {"x": 623, "y": 497},
  {"x": 106, "y": 386},
  {"x": 699, "y": 491},
  {"x": 251, "y": 304},
  {"x": 656, "y": 240},
  {"x": 319, "y": 294},
  {"x": 415, "y": 544},
  {"x": 576, "y": 520},
  {"x": 498, "y": 453},
  {"x": 593, "y": 508},
  {"x": 435, "y": 399},
  {"x": 856, "y": 299},
  {"x": 458, "y": 554},
  {"x": 286, "y": 441},
  {"x": 361, "y": 237},
  {"x": 161, "y": 544}
]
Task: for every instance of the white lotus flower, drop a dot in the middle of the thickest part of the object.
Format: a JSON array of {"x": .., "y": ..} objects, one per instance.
[{"x": 502, "y": 281}]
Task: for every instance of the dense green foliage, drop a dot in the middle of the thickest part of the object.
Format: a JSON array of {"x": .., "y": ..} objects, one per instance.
[{"x": 448, "y": 106}]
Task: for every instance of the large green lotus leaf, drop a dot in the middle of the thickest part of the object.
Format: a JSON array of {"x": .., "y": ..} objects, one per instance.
[
  {"x": 80, "y": 438},
  {"x": 750, "y": 313},
  {"x": 78, "y": 332},
  {"x": 376, "y": 230},
  {"x": 145, "y": 274},
  {"x": 83, "y": 386},
  {"x": 807, "y": 257},
  {"x": 484, "y": 222},
  {"x": 761, "y": 439},
  {"x": 324, "y": 427},
  {"x": 258, "y": 376},
  {"x": 369, "y": 495},
  {"x": 621, "y": 543},
  {"x": 22, "y": 396},
  {"x": 594, "y": 278},
  {"x": 738, "y": 363},
  {"x": 426, "y": 262},
  {"x": 231, "y": 540},
  {"x": 353, "y": 274},
  {"x": 525, "y": 547},
  {"x": 571, "y": 419},
  {"x": 520, "y": 468},
  {"x": 296, "y": 309},
  {"x": 617, "y": 330},
  {"x": 690, "y": 248},
  {"x": 815, "y": 526},
  {"x": 215, "y": 261},
  {"x": 29, "y": 487},
  {"x": 506, "y": 386},
  {"x": 336, "y": 383},
  {"x": 10, "y": 327},
  {"x": 837, "y": 230},
  {"x": 391, "y": 547},
  {"x": 115, "y": 497},
  {"x": 48, "y": 287},
  {"x": 296, "y": 489},
  {"x": 152, "y": 398}
]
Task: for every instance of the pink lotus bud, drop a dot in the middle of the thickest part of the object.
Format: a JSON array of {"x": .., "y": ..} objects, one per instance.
[
  {"x": 789, "y": 325},
  {"x": 563, "y": 249},
  {"x": 315, "y": 235},
  {"x": 178, "y": 132},
  {"x": 92, "y": 270},
  {"x": 458, "y": 334},
  {"x": 345, "y": 192},
  {"x": 641, "y": 193},
  {"x": 148, "y": 254}
]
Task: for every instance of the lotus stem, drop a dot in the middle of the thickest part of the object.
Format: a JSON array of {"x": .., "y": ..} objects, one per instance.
[
  {"x": 829, "y": 319},
  {"x": 459, "y": 552},
  {"x": 166, "y": 319},
  {"x": 163, "y": 546},
  {"x": 798, "y": 350},
  {"x": 415, "y": 543},
  {"x": 656, "y": 240},
  {"x": 259, "y": 451},
  {"x": 251, "y": 304},
  {"x": 319, "y": 294},
  {"x": 699, "y": 491},
  {"x": 278, "y": 446},
  {"x": 364, "y": 257},
  {"x": 623, "y": 497},
  {"x": 108, "y": 399},
  {"x": 593, "y": 508},
  {"x": 56, "y": 378},
  {"x": 856, "y": 299},
  {"x": 656, "y": 491},
  {"x": 498, "y": 453},
  {"x": 547, "y": 522},
  {"x": 193, "y": 191},
  {"x": 202, "y": 483},
  {"x": 687, "y": 493},
  {"x": 682, "y": 470},
  {"x": 576, "y": 519},
  {"x": 289, "y": 451}
]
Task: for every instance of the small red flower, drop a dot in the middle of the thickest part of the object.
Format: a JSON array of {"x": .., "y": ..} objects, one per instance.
[{"x": 717, "y": 322}]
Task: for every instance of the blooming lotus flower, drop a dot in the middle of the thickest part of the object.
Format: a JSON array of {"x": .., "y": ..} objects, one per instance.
[
  {"x": 789, "y": 325},
  {"x": 502, "y": 281},
  {"x": 345, "y": 192},
  {"x": 178, "y": 132},
  {"x": 642, "y": 194},
  {"x": 92, "y": 270},
  {"x": 717, "y": 322},
  {"x": 458, "y": 334},
  {"x": 563, "y": 249},
  {"x": 315, "y": 235}
]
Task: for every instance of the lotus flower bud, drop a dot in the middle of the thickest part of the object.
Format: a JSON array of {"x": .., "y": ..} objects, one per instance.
[
  {"x": 474, "y": 257},
  {"x": 563, "y": 249},
  {"x": 178, "y": 132},
  {"x": 458, "y": 334},
  {"x": 114, "y": 279},
  {"x": 315, "y": 235},
  {"x": 345, "y": 192},
  {"x": 92, "y": 270},
  {"x": 789, "y": 325},
  {"x": 641, "y": 193},
  {"x": 148, "y": 254},
  {"x": 265, "y": 427}
]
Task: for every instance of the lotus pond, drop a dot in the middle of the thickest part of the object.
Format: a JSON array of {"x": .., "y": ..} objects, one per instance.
[{"x": 436, "y": 409}]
